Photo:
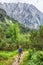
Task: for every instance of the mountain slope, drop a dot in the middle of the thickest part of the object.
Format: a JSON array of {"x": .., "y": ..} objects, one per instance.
[
  {"x": 7, "y": 20},
  {"x": 26, "y": 14}
]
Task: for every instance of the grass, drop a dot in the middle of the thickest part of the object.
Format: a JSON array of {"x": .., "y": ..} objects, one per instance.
[
  {"x": 33, "y": 58},
  {"x": 7, "y": 57}
]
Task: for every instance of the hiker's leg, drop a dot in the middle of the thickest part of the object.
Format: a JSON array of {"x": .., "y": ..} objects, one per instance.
[{"x": 19, "y": 57}]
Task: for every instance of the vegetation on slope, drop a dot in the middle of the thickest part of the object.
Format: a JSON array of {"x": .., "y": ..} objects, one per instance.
[{"x": 12, "y": 34}]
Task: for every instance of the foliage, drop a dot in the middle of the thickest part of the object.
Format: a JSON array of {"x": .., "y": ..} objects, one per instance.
[
  {"x": 37, "y": 38},
  {"x": 37, "y": 58},
  {"x": 33, "y": 58},
  {"x": 6, "y": 57},
  {"x": 11, "y": 36}
]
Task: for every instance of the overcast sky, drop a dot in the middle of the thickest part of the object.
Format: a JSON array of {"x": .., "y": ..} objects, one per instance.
[{"x": 37, "y": 3}]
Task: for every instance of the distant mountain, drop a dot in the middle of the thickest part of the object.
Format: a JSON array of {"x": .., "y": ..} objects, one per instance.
[{"x": 26, "y": 14}]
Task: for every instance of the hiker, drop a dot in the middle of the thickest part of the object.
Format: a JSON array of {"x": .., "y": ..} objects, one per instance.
[{"x": 19, "y": 52}]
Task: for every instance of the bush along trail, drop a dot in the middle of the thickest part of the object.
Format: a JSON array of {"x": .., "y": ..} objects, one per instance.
[
  {"x": 7, "y": 57},
  {"x": 33, "y": 58}
]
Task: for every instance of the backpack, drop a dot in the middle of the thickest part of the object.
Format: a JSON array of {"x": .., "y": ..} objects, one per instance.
[{"x": 20, "y": 50}]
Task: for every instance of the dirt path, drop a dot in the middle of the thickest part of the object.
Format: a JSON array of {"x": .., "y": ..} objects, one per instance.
[{"x": 16, "y": 58}]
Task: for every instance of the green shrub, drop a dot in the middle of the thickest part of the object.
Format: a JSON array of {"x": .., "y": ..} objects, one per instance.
[
  {"x": 36, "y": 59},
  {"x": 4, "y": 55}
]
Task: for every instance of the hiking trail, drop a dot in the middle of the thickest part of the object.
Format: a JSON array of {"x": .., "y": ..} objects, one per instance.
[{"x": 21, "y": 59}]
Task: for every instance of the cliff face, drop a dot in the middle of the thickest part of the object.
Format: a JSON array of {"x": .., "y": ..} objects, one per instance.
[{"x": 26, "y": 14}]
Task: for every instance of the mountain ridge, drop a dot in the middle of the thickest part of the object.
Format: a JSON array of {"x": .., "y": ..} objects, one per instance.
[{"x": 26, "y": 14}]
